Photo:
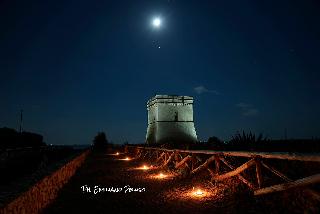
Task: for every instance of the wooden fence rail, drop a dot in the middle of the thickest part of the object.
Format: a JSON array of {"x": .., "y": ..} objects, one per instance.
[{"x": 193, "y": 161}]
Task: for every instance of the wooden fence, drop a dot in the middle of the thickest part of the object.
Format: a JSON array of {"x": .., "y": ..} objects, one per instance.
[{"x": 213, "y": 161}]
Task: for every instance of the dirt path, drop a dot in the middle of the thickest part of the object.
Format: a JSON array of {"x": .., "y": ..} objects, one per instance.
[{"x": 160, "y": 196}]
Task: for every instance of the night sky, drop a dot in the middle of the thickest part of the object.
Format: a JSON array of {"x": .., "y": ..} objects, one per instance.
[{"x": 79, "y": 67}]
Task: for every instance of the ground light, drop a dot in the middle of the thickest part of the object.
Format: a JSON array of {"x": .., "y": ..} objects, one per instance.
[
  {"x": 161, "y": 175},
  {"x": 145, "y": 167},
  {"x": 198, "y": 192},
  {"x": 126, "y": 159},
  {"x": 202, "y": 193}
]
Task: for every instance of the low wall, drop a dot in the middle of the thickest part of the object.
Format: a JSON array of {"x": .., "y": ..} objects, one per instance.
[{"x": 45, "y": 191}]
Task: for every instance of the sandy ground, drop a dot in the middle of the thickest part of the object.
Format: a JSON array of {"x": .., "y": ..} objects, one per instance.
[{"x": 171, "y": 194}]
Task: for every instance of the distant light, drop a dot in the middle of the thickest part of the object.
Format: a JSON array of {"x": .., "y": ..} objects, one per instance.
[
  {"x": 117, "y": 153},
  {"x": 156, "y": 22}
]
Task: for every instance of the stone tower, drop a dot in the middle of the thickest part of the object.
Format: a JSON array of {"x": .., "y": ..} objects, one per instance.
[{"x": 170, "y": 119}]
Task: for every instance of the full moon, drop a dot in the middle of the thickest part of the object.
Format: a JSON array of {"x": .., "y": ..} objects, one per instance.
[{"x": 156, "y": 22}]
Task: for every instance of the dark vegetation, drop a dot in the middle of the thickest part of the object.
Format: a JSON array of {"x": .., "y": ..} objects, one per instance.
[
  {"x": 101, "y": 144},
  {"x": 249, "y": 142},
  {"x": 25, "y": 159},
  {"x": 100, "y": 141},
  {"x": 22, "y": 168},
  {"x": 18, "y": 163},
  {"x": 11, "y": 139},
  {"x": 24, "y": 153}
]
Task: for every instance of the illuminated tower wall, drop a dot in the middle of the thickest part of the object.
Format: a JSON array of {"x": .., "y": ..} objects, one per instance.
[{"x": 170, "y": 119}]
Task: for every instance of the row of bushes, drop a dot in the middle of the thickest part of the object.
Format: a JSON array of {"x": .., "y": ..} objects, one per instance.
[
  {"x": 10, "y": 139},
  {"x": 249, "y": 142}
]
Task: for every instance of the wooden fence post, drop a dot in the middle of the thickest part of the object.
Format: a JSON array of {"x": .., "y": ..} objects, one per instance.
[
  {"x": 236, "y": 171},
  {"x": 203, "y": 166},
  {"x": 258, "y": 172},
  {"x": 161, "y": 157},
  {"x": 181, "y": 163},
  {"x": 169, "y": 159},
  {"x": 217, "y": 164},
  {"x": 241, "y": 178}
]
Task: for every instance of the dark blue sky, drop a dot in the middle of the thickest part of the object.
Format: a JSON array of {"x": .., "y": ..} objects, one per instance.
[{"x": 79, "y": 67}]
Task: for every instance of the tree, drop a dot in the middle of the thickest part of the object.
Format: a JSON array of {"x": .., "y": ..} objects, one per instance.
[
  {"x": 247, "y": 141},
  {"x": 100, "y": 140},
  {"x": 215, "y": 143}
]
